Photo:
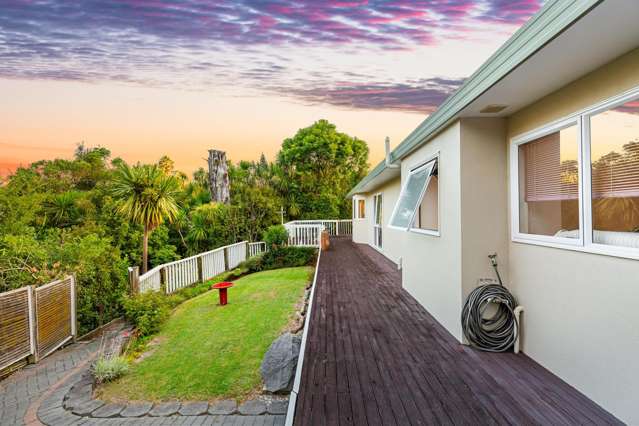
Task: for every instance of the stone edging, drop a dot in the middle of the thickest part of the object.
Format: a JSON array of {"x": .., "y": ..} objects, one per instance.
[{"x": 79, "y": 400}]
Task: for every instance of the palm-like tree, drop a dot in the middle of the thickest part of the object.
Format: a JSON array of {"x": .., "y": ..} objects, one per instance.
[{"x": 148, "y": 197}]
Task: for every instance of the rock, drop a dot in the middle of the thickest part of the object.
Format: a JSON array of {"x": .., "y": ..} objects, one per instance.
[
  {"x": 108, "y": 411},
  {"x": 136, "y": 409},
  {"x": 193, "y": 408},
  {"x": 165, "y": 409},
  {"x": 253, "y": 407},
  {"x": 88, "y": 407},
  {"x": 278, "y": 407},
  {"x": 278, "y": 365},
  {"x": 223, "y": 408}
]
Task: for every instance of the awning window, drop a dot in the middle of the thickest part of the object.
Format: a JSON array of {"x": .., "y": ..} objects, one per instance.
[{"x": 412, "y": 194}]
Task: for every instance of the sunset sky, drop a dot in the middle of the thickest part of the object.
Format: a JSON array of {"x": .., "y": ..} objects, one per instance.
[{"x": 150, "y": 77}]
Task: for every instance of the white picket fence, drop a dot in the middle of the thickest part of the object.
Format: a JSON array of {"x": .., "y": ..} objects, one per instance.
[
  {"x": 335, "y": 228},
  {"x": 257, "y": 248},
  {"x": 199, "y": 268},
  {"x": 204, "y": 266}
]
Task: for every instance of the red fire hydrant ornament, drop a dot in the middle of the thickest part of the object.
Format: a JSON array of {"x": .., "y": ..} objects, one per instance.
[{"x": 223, "y": 287}]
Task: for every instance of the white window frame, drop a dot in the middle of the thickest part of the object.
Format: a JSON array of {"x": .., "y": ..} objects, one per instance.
[
  {"x": 431, "y": 232},
  {"x": 356, "y": 200},
  {"x": 517, "y": 235},
  {"x": 381, "y": 220},
  {"x": 423, "y": 163},
  {"x": 584, "y": 243}
]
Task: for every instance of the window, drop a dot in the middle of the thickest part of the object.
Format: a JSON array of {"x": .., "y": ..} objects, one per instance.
[
  {"x": 417, "y": 206},
  {"x": 549, "y": 184},
  {"x": 575, "y": 184},
  {"x": 359, "y": 208},
  {"x": 427, "y": 216},
  {"x": 614, "y": 153},
  {"x": 377, "y": 226}
]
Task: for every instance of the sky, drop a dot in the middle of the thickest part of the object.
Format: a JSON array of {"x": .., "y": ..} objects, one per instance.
[{"x": 147, "y": 78}]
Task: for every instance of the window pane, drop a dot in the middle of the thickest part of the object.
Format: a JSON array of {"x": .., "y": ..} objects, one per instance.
[
  {"x": 361, "y": 208},
  {"x": 427, "y": 213},
  {"x": 614, "y": 150},
  {"x": 549, "y": 185},
  {"x": 410, "y": 196}
]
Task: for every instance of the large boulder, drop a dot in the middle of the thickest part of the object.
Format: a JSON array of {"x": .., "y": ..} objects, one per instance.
[{"x": 278, "y": 365}]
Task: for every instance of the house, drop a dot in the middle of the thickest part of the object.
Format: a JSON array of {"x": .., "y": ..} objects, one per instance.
[{"x": 536, "y": 158}]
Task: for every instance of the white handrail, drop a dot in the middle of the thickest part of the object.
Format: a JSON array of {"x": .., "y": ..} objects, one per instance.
[{"x": 335, "y": 227}]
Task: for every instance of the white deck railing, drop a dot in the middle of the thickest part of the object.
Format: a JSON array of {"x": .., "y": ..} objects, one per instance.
[
  {"x": 302, "y": 235},
  {"x": 334, "y": 227}
]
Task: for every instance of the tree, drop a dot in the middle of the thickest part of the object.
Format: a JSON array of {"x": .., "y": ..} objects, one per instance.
[
  {"x": 147, "y": 197},
  {"x": 318, "y": 166}
]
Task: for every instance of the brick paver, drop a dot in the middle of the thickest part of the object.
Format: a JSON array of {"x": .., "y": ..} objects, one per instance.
[{"x": 35, "y": 396}]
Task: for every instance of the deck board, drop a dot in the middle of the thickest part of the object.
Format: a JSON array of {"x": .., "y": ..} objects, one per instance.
[{"x": 375, "y": 356}]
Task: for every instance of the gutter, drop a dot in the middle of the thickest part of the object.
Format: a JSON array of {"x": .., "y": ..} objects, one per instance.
[{"x": 292, "y": 400}]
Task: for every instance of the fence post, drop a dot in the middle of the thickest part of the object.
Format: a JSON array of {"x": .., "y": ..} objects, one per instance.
[
  {"x": 226, "y": 259},
  {"x": 336, "y": 228},
  {"x": 163, "y": 280},
  {"x": 200, "y": 269},
  {"x": 33, "y": 358},
  {"x": 134, "y": 280},
  {"x": 74, "y": 316}
]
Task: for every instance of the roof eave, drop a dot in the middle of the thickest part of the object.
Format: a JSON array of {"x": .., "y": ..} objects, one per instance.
[{"x": 553, "y": 19}]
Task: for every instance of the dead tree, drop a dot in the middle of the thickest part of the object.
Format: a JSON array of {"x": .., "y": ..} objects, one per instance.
[{"x": 219, "y": 177}]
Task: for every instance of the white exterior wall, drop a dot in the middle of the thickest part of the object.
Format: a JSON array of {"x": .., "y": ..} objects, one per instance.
[
  {"x": 581, "y": 318},
  {"x": 431, "y": 265},
  {"x": 484, "y": 200},
  {"x": 361, "y": 227}
]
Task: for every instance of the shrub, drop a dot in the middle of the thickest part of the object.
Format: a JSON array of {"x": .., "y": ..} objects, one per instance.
[
  {"x": 276, "y": 236},
  {"x": 108, "y": 369},
  {"x": 286, "y": 257},
  {"x": 147, "y": 311}
]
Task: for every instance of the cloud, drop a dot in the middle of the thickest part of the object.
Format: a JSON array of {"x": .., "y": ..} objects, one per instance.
[
  {"x": 422, "y": 96},
  {"x": 222, "y": 45}
]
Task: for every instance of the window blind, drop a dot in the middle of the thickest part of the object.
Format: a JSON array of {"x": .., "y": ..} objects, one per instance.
[
  {"x": 547, "y": 177},
  {"x": 616, "y": 175}
]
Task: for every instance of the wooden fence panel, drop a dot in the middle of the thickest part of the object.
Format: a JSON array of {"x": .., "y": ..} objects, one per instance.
[
  {"x": 55, "y": 315},
  {"x": 16, "y": 338}
]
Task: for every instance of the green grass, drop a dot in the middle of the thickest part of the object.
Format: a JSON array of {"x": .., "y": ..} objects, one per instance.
[{"x": 208, "y": 352}]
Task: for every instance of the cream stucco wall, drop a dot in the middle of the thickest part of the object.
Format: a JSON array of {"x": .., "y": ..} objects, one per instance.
[
  {"x": 484, "y": 210},
  {"x": 581, "y": 317},
  {"x": 431, "y": 264}
]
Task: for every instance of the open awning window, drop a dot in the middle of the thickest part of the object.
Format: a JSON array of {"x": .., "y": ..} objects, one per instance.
[{"x": 412, "y": 194}]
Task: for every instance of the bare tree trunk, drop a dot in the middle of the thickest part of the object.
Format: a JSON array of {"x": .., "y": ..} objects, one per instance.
[
  {"x": 219, "y": 177},
  {"x": 145, "y": 249}
]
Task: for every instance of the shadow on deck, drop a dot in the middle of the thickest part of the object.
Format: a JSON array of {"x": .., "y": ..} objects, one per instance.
[{"x": 375, "y": 356}]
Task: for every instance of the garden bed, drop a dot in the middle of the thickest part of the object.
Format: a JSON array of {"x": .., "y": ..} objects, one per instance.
[{"x": 207, "y": 352}]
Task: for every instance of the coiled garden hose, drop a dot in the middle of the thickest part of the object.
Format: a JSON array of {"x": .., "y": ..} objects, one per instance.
[{"x": 497, "y": 332}]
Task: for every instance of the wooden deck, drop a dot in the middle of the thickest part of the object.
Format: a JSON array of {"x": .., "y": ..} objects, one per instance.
[{"x": 374, "y": 356}]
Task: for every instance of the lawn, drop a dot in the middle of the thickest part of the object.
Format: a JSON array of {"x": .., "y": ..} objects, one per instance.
[{"x": 209, "y": 352}]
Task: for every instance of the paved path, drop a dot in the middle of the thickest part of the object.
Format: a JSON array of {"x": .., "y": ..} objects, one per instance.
[
  {"x": 25, "y": 388},
  {"x": 34, "y": 396}
]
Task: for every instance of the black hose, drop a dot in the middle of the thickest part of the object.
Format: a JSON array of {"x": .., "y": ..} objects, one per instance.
[{"x": 498, "y": 332}]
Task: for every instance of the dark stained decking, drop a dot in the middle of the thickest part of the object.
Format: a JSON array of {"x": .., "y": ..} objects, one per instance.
[{"x": 374, "y": 356}]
